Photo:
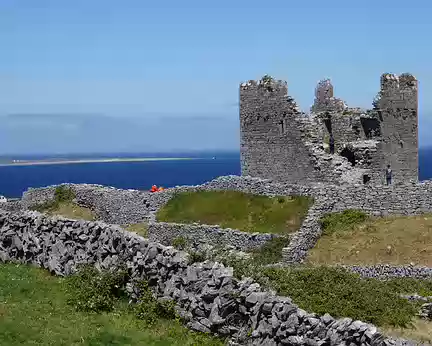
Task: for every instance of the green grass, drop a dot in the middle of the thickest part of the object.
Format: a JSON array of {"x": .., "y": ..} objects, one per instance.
[
  {"x": 421, "y": 330},
  {"x": 352, "y": 237},
  {"x": 34, "y": 311},
  {"x": 139, "y": 228},
  {"x": 341, "y": 293},
  {"x": 63, "y": 205},
  {"x": 71, "y": 211},
  {"x": 270, "y": 252},
  {"x": 233, "y": 209}
]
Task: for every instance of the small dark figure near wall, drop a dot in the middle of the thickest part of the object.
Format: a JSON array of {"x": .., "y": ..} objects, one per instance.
[
  {"x": 332, "y": 144},
  {"x": 389, "y": 175}
]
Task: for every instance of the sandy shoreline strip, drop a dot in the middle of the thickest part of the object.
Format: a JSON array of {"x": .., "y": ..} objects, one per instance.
[{"x": 78, "y": 161}]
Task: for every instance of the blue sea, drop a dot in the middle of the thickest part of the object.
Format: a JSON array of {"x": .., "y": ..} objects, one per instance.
[{"x": 14, "y": 180}]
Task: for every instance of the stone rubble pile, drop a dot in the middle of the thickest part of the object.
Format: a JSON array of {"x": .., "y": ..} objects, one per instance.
[
  {"x": 207, "y": 296},
  {"x": 426, "y": 311},
  {"x": 336, "y": 167}
]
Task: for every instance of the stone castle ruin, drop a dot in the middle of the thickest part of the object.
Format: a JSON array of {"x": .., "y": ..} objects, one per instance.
[{"x": 281, "y": 143}]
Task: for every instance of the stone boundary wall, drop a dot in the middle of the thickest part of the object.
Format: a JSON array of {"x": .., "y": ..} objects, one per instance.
[
  {"x": 385, "y": 271},
  {"x": 199, "y": 236},
  {"x": 207, "y": 295},
  {"x": 11, "y": 206},
  {"x": 115, "y": 206},
  {"x": 379, "y": 271},
  {"x": 131, "y": 206}
]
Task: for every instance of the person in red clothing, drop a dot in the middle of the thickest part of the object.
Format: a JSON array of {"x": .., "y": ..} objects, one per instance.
[{"x": 153, "y": 188}]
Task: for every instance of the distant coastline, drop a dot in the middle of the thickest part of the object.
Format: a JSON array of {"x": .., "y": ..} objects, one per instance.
[{"x": 80, "y": 161}]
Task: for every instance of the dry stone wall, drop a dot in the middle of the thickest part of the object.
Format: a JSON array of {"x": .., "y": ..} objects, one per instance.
[
  {"x": 200, "y": 236},
  {"x": 111, "y": 205},
  {"x": 398, "y": 199},
  {"x": 207, "y": 296}
]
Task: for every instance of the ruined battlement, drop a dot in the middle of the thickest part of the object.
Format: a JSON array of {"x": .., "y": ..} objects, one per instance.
[
  {"x": 392, "y": 82},
  {"x": 266, "y": 106},
  {"x": 280, "y": 142},
  {"x": 265, "y": 84},
  {"x": 398, "y": 92}
]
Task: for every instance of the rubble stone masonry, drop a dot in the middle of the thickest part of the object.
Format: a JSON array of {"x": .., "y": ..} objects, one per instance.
[{"x": 279, "y": 142}]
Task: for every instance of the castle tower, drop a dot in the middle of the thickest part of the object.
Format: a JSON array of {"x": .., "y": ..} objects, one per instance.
[
  {"x": 323, "y": 91},
  {"x": 325, "y": 100},
  {"x": 271, "y": 134},
  {"x": 398, "y": 112}
]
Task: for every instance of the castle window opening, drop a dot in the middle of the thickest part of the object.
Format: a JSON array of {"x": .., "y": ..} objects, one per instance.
[
  {"x": 366, "y": 178},
  {"x": 282, "y": 127},
  {"x": 371, "y": 127},
  {"x": 349, "y": 154}
]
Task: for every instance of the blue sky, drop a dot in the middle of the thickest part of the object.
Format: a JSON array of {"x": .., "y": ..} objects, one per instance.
[{"x": 142, "y": 62}]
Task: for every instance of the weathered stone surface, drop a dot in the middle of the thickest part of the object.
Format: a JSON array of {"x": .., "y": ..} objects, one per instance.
[
  {"x": 199, "y": 236},
  {"x": 281, "y": 143}
]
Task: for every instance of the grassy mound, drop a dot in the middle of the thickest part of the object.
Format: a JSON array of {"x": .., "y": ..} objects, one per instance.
[
  {"x": 233, "y": 209},
  {"x": 351, "y": 237},
  {"x": 63, "y": 205},
  {"x": 36, "y": 309}
]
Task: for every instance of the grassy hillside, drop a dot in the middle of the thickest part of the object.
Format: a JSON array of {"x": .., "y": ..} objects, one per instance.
[
  {"x": 353, "y": 238},
  {"x": 35, "y": 310}
]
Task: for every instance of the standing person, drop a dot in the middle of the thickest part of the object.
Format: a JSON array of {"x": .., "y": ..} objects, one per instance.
[
  {"x": 389, "y": 175},
  {"x": 331, "y": 144}
]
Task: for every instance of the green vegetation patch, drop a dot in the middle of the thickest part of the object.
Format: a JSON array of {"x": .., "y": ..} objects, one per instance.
[
  {"x": 270, "y": 252},
  {"x": 352, "y": 237},
  {"x": 339, "y": 292},
  {"x": 238, "y": 210},
  {"x": 139, "y": 228},
  {"x": 339, "y": 222},
  {"x": 37, "y": 309},
  {"x": 344, "y": 294},
  {"x": 63, "y": 205}
]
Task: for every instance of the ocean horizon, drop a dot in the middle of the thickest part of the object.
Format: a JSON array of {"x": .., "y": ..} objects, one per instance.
[{"x": 140, "y": 175}]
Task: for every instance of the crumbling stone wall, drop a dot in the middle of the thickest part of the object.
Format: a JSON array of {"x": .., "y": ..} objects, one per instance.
[
  {"x": 208, "y": 297},
  {"x": 200, "y": 236}
]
